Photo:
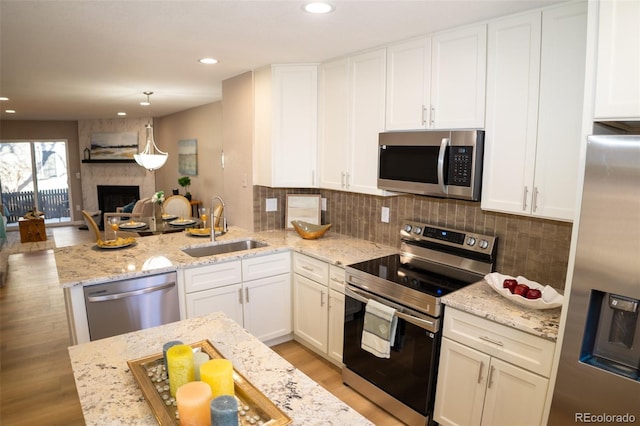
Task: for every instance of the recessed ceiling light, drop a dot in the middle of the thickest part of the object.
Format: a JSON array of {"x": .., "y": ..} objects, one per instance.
[
  {"x": 318, "y": 7},
  {"x": 3, "y": 98},
  {"x": 208, "y": 61},
  {"x": 122, "y": 113},
  {"x": 10, "y": 111}
]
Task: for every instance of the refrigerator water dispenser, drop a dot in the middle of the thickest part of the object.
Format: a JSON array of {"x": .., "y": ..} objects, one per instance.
[{"x": 612, "y": 334}]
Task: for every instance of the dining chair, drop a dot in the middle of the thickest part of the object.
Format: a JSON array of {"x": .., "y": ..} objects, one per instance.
[
  {"x": 177, "y": 205},
  {"x": 142, "y": 208},
  {"x": 92, "y": 225}
]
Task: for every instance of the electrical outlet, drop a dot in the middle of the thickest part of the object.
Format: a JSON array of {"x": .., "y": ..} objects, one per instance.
[
  {"x": 271, "y": 205},
  {"x": 77, "y": 207},
  {"x": 384, "y": 216}
]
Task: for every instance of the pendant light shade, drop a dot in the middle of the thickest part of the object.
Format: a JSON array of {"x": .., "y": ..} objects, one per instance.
[{"x": 151, "y": 158}]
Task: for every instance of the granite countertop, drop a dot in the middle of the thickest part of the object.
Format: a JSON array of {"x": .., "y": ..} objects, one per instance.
[
  {"x": 481, "y": 300},
  {"x": 109, "y": 393},
  {"x": 86, "y": 264}
]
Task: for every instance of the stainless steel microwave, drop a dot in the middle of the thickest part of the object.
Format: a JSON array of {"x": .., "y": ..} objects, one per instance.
[{"x": 439, "y": 163}]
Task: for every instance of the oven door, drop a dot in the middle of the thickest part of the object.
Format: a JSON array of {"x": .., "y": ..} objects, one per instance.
[{"x": 409, "y": 374}]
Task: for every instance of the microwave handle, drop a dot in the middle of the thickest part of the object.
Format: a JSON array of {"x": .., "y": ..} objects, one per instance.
[{"x": 443, "y": 149}]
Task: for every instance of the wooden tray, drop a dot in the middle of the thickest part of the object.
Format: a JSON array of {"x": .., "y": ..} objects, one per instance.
[{"x": 248, "y": 395}]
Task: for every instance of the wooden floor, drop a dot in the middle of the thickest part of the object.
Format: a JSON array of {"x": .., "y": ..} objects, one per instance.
[{"x": 36, "y": 381}]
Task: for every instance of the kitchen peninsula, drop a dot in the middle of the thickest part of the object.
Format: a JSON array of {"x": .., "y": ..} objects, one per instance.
[
  {"x": 109, "y": 394},
  {"x": 83, "y": 265}
]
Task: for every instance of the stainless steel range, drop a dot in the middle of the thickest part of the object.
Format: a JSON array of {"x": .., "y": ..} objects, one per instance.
[{"x": 434, "y": 261}]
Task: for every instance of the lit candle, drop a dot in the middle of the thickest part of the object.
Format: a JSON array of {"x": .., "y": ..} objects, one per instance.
[
  {"x": 194, "y": 400},
  {"x": 180, "y": 363},
  {"x": 224, "y": 411},
  {"x": 199, "y": 358},
  {"x": 218, "y": 373},
  {"x": 165, "y": 348}
]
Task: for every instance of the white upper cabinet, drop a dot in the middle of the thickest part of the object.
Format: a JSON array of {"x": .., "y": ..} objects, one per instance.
[
  {"x": 286, "y": 111},
  {"x": 408, "y": 84},
  {"x": 618, "y": 71},
  {"x": 535, "y": 85},
  {"x": 352, "y": 108},
  {"x": 333, "y": 123},
  {"x": 366, "y": 119},
  {"x": 437, "y": 82},
  {"x": 458, "y": 75}
]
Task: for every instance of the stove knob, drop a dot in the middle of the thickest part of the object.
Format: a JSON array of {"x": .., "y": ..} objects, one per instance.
[
  {"x": 418, "y": 230},
  {"x": 471, "y": 241},
  {"x": 407, "y": 228},
  {"x": 484, "y": 244}
]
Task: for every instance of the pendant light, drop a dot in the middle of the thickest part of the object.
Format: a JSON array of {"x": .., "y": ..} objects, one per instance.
[{"x": 151, "y": 158}]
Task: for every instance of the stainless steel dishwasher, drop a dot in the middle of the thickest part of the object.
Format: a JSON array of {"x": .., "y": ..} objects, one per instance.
[{"x": 119, "y": 307}]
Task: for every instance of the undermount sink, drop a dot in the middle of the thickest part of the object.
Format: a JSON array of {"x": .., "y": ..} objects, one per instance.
[{"x": 223, "y": 247}]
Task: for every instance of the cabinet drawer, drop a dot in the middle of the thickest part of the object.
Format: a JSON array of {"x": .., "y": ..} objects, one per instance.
[
  {"x": 266, "y": 266},
  {"x": 311, "y": 268},
  {"x": 516, "y": 347},
  {"x": 212, "y": 276},
  {"x": 336, "y": 278}
]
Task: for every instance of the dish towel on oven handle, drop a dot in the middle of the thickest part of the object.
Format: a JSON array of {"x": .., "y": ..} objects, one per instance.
[{"x": 379, "y": 329}]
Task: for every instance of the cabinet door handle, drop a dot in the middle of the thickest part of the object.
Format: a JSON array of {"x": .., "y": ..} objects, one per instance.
[
  {"x": 246, "y": 294},
  {"x": 433, "y": 115},
  {"x": 342, "y": 178},
  {"x": 347, "y": 180},
  {"x": 337, "y": 280},
  {"x": 424, "y": 115},
  {"x": 322, "y": 298},
  {"x": 525, "y": 192},
  {"x": 490, "y": 340},
  {"x": 307, "y": 268},
  {"x": 240, "y": 296},
  {"x": 480, "y": 372},
  {"x": 491, "y": 370},
  {"x": 534, "y": 200}
]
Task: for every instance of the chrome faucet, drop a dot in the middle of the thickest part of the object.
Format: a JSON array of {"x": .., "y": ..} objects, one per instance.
[{"x": 222, "y": 216}]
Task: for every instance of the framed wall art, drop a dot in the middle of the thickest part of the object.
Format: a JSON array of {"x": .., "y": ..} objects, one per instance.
[
  {"x": 188, "y": 157},
  {"x": 305, "y": 207},
  {"x": 114, "y": 146}
]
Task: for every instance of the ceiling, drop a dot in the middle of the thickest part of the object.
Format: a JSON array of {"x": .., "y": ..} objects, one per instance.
[{"x": 89, "y": 59}]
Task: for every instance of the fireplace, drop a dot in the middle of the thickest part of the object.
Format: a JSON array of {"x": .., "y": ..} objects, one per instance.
[{"x": 112, "y": 196}]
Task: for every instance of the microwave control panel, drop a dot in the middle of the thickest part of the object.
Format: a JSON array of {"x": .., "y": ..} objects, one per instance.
[{"x": 460, "y": 165}]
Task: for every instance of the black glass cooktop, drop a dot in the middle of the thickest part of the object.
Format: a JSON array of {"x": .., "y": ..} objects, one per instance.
[{"x": 390, "y": 268}]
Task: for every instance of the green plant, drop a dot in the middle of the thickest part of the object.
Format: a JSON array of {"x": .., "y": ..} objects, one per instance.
[{"x": 184, "y": 182}]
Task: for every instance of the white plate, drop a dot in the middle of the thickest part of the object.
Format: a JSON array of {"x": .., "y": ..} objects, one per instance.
[
  {"x": 550, "y": 297},
  {"x": 169, "y": 216},
  {"x": 132, "y": 225},
  {"x": 182, "y": 222}
]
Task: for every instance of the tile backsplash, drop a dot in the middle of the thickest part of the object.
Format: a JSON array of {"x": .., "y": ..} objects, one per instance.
[{"x": 535, "y": 248}]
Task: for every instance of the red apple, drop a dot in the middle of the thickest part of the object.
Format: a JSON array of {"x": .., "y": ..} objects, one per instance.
[
  {"x": 521, "y": 290},
  {"x": 509, "y": 283},
  {"x": 534, "y": 293}
]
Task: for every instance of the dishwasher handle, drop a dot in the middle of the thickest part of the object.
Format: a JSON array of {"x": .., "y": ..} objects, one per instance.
[{"x": 116, "y": 296}]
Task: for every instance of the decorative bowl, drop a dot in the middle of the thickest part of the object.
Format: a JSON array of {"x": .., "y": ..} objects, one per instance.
[
  {"x": 550, "y": 297},
  {"x": 309, "y": 231}
]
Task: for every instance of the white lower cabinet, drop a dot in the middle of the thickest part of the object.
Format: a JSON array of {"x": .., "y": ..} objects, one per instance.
[
  {"x": 318, "y": 306},
  {"x": 254, "y": 292},
  {"x": 476, "y": 384}
]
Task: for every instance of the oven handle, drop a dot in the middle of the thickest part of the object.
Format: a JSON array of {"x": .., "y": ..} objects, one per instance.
[{"x": 363, "y": 296}]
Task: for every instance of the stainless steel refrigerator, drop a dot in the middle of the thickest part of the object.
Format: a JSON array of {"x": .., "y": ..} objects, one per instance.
[{"x": 599, "y": 372}]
